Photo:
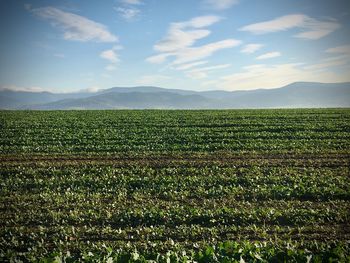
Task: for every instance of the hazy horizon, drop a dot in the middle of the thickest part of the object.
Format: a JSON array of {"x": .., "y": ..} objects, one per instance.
[{"x": 93, "y": 91}]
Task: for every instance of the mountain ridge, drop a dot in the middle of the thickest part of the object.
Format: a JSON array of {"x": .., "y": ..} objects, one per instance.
[{"x": 294, "y": 95}]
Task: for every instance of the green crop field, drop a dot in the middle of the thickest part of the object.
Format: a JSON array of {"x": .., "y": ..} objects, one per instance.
[{"x": 175, "y": 186}]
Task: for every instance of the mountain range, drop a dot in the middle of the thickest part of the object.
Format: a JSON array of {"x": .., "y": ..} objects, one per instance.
[{"x": 295, "y": 95}]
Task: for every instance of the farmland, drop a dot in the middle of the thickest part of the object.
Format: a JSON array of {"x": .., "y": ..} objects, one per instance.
[{"x": 169, "y": 186}]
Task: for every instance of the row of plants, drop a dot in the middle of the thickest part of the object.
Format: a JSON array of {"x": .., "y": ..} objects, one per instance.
[
  {"x": 175, "y": 186},
  {"x": 175, "y": 131}
]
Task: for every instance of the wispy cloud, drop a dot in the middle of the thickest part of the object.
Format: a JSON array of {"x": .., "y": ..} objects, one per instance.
[
  {"x": 197, "y": 53},
  {"x": 274, "y": 76},
  {"x": 278, "y": 24},
  {"x": 269, "y": 55},
  {"x": 198, "y": 22},
  {"x": 219, "y": 4},
  {"x": 75, "y": 27},
  {"x": 190, "y": 65},
  {"x": 340, "y": 57},
  {"x": 132, "y": 2},
  {"x": 129, "y": 14},
  {"x": 339, "y": 50},
  {"x": 251, "y": 48},
  {"x": 128, "y": 10},
  {"x": 181, "y": 37},
  {"x": 200, "y": 73},
  {"x": 112, "y": 56},
  {"x": 158, "y": 59},
  {"x": 313, "y": 28},
  {"x": 330, "y": 62}
]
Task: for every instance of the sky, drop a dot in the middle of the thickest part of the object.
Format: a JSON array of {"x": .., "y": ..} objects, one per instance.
[{"x": 69, "y": 46}]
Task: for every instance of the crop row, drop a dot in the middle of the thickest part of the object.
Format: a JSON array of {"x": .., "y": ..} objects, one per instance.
[
  {"x": 175, "y": 186},
  {"x": 175, "y": 131},
  {"x": 71, "y": 208}
]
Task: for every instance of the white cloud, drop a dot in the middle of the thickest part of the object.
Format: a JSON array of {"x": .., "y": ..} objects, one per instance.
[
  {"x": 158, "y": 59},
  {"x": 314, "y": 29},
  {"x": 111, "y": 55},
  {"x": 75, "y": 27},
  {"x": 179, "y": 42},
  {"x": 219, "y": 4},
  {"x": 278, "y": 24},
  {"x": 132, "y": 2},
  {"x": 329, "y": 63},
  {"x": 210, "y": 68},
  {"x": 340, "y": 50},
  {"x": 200, "y": 73},
  {"x": 197, "y": 53},
  {"x": 342, "y": 58},
  {"x": 317, "y": 29},
  {"x": 152, "y": 79},
  {"x": 269, "y": 55},
  {"x": 196, "y": 75},
  {"x": 129, "y": 14},
  {"x": 92, "y": 89},
  {"x": 251, "y": 48},
  {"x": 198, "y": 22},
  {"x": 274, "y": 76},
  {"x": 128, "y": 11},
  {"x": 178, "y": 39},
  {"x": 191, "y": 65},
  {"x": 179, "y": 36}
]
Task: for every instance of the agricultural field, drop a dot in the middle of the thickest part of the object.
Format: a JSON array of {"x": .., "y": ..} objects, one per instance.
[{"x": 175, "y": 186}]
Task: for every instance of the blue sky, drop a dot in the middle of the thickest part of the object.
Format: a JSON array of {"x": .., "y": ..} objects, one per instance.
[{"x": 64, "y": 46}]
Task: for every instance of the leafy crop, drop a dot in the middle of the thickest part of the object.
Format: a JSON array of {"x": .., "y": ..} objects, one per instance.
[{"x": 175, "y": 186}]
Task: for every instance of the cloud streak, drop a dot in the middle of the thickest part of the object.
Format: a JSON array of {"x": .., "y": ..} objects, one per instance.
[
  {"x": 112, "y": 56},
  {"x": 274, "y": 76},
  {"x": 132, "y": 2},
  {"x": 312, "y": 28},
  {"x": 219, "y": 4},
  {"x": 200, "y": 73},
  {"x": 190, "y": 65},
  {"x": 340, "y": 57},
  {"x": 128, "y": 11},
  {"x": 128, "y": 14},
  {"x": 269, "y": 55},
  {"x": 340, "y": 50},
  {"x": 181, "y": 37},
  {"x": 251, "y": 48},
  {"x": 75, "y": 27},
  {"x": 197, "y": 53}
]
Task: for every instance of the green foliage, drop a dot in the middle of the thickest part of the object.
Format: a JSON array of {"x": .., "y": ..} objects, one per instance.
[{"x": 175, "y": 186}]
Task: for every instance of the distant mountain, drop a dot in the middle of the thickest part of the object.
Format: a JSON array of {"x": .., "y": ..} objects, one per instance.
[
  {"x": 25, "y": 99},
  {"x": 147, "y": 89},
  {"x": 295, "y": 95},
  {"x": 131, "y": 100}
]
